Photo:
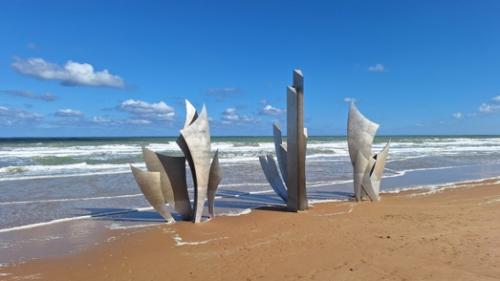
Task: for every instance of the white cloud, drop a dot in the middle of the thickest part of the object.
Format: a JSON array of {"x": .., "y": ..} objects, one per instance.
[
  {"x": 457, "y": 115},
  {"x": 271, "y": 110},
  {"x": 26, "y": 94},
  {"x": 488, "y": 108},
  {"x": 67, "y": 112},
  {"x": 99, "y": 120},
  {"x": 230, "y": 116},
  {"x": 484, "y": 108},
  {"x": 12, "y": 116},
  {"x": 70, "y": 74},
  {"x": 138, "y": 122},
  {"x": 142, "y": 110},
  {"x": 349, "y": 99},
  {"x": 376, "y": 68}
]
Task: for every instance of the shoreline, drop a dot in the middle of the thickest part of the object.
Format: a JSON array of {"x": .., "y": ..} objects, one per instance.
[
  {"x": 439, "y": 206},
  {"x": 416, "y": 188}
]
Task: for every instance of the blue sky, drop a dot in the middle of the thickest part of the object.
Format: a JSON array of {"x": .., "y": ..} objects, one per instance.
[{"x": 123, "y": 68}]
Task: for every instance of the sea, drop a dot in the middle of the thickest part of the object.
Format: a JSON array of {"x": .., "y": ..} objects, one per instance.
[{"x": 48, "y": 181}]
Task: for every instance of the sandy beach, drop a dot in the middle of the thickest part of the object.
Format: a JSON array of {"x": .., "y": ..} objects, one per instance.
[
  {"x": 449, "y": 234},
  {"x": 249, "y": 140}
]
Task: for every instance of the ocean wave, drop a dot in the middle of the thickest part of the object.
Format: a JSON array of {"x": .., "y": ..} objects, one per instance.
[
  {"x": 70, "y": 199},
  {"x": 119, "y": 226},
  {"x": 67, "y": 219},
  {"x": 236, "y": 213},
  {"x": 52, "y": 171},
  {"x": 83, "y": 174},
  {"x": 435, "y": 188},
  {"x": 11, "y": 173},
  {"x": 232, "y": 151},
  {"x": 334, "y": 146}
]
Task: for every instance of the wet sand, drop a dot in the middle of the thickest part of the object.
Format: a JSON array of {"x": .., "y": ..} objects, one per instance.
[{"x": 452, "y": 234}]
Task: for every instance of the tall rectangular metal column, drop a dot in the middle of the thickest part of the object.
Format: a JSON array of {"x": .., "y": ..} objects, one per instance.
[{"x": 296, "y": 145}]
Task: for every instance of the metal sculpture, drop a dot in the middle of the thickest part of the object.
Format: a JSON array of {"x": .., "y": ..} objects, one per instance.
[
  {"x": 150, "y": 185},
  {"x": 367, "y": 167},
  {"x": 214, "y": 180},
  {"x": 291, "y": 185},
  {"x": 176, "y": 167},
  {"x": 165, "y": 180}
]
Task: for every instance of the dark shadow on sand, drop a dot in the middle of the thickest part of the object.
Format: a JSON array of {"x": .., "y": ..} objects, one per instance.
[{"x": 229, "y": 200}]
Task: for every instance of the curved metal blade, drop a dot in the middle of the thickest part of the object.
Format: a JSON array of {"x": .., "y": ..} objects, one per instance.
[
  {"x": 149, "y": 183},
  {"x": 214, "y": 180},
  {"x": 196, "y": 138}
]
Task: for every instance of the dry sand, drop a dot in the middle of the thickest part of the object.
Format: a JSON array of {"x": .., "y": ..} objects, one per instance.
[{"x": 448, "y": 235}]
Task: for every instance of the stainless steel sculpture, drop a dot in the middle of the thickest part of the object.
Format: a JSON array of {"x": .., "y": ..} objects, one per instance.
[
  {"x": 195, "y": 143},
  {"x": 273, "y": 176},
  {"x": 165, "y": 180},
  {"x": 291, "y": 186},
  {"x": 153, "y": 164},
  {"x": 150, "y": 185},
  {"x": 176, "y": 167},
  {"x": 367, "y": 167},
  {"x": 214, "y": 180}
]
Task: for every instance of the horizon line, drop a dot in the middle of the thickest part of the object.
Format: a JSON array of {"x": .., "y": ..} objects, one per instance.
[{"x": 246, "y": 136}]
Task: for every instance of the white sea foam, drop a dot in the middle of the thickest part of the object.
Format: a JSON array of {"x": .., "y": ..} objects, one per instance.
[
  {"x": 69, "y": 219},
  {"x": 83, "y": 217},
  {"x": 243, "y": 184},
  {"x": 70, "y": 199},
  {"x": 119, "y": 226},
  {"x": 33, "y": 225},
  {"x": 68, "y": 170},
  {"x": 232, "y": 152},
  {"x": 404, "y": 172},
  {"x": 327, "y": 183},
  {"x": 236, "y": 213},
  {"x": 180, "y": 242},
  {"x": 436, "y": 188},
  {"x": 61, "y": 176},
  {"x": 320, "y": 201}
]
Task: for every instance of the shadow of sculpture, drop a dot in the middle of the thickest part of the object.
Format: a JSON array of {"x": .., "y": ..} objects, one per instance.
[
  {"x": 289, "y": 180},
  {"x": 367, "y": 167},
  {"x": 165, "y": 180}
]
